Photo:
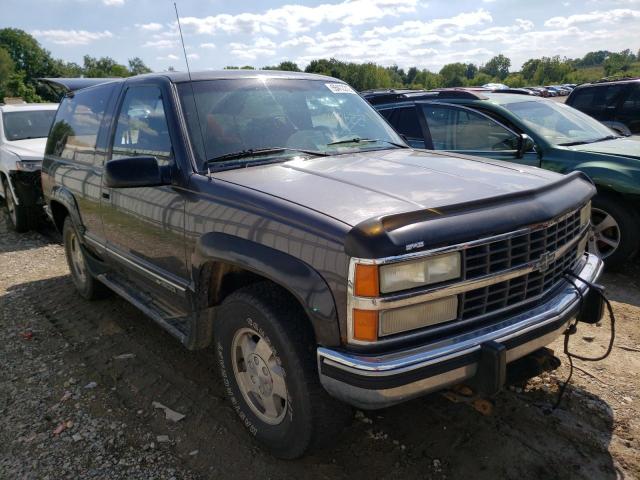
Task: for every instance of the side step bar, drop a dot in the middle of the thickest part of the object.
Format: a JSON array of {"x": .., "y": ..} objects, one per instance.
[{"x": 142, "y": 306}]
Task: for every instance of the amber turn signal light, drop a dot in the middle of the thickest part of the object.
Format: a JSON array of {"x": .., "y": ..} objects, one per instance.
[
  {"x": 365, "y": 325},
  {"x": 366, "y": 281}
]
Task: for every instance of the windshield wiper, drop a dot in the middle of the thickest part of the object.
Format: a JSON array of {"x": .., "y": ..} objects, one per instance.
[
  {"x": 257, "y": 152},
  {"x": 365, "y": 140},
  {"x": 583, "y": 142}
]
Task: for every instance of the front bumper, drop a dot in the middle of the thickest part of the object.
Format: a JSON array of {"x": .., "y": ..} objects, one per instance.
[{"x": 381, "y": 380}]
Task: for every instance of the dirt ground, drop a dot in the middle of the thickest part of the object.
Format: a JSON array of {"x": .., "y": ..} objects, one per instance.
[{"x": 78, "y": 378}]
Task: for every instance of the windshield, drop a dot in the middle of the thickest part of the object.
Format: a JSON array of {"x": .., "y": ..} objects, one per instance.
[
  {"x": 560, "y": 124},
  {"x": 252, "y": 114},
  {"x": 27, "y": 124}
]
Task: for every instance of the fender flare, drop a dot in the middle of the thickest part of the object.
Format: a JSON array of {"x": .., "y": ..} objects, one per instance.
[
  {"x": 64, "y": 197},
  {"x": 622, "y": 180},
  {"x": 291, "y": 273}
]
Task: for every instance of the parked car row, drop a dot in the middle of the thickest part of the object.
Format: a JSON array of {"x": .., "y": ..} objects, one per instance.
[
  {"x": 329, "y": 259},
  {"x": 548, "y": 91}
]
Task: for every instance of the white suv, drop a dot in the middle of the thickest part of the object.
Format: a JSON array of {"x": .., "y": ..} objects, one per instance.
[{"x": 23, "y": 136}]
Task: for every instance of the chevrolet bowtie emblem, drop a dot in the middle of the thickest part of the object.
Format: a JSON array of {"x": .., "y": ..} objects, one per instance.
[{"x": 545, "y": 260}]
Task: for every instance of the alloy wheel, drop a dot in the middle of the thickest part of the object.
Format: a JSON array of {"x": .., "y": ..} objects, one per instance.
[{"x": 606, "y": 235}]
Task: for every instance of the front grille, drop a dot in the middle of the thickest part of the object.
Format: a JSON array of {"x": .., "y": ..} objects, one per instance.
[
  {"x": 494, "y": 257},
  {"x": 486, "y": 300},
  {"x": 497, "y": 256}
]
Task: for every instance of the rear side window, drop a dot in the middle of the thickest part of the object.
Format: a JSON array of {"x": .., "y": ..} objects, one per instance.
[
  {"x": 631, "y": 104},
  {"x": 597, "y": 99},
  {"x": 75, "y": 131},
  {"x": 405, "y": 121}
]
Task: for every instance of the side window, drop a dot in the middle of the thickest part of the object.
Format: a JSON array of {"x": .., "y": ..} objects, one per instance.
[
  {"x": 631, "y": 104},
  {"x": 142, "y": 126},
  {"x": 405, "y": 121},
  {"x": 583, "y": 99},
  {"x": 77, "y": 123},
  {"x": 460, "y": 129}
]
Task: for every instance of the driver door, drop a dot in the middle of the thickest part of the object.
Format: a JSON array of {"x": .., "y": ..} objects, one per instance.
[{"x": 463, "y": 130}]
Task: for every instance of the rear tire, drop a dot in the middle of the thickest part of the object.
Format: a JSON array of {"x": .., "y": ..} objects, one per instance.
[
  {"x": 616, "y": 232},
  {"x": 20, "y": 216},
  {"x": 266, "y": 355},
  {"x": 86, "y": 284}
]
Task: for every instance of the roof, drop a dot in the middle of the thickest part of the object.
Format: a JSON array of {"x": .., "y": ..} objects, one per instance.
[
  {"x": 178, "y": 77},
  {"x": 506, "y": 98},
  {"x": 28, "y": 107},
  {"x": 603, "y": 82}
]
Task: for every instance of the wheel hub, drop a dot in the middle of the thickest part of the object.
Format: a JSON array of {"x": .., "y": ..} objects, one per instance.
[{"x": 259, "y": 376}]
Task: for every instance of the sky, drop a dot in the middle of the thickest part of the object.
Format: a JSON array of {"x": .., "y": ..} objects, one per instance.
[{"x": 426, "y": 34}]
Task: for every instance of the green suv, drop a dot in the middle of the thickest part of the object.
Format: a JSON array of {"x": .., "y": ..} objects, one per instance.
[{"x": 530, "y": 130}]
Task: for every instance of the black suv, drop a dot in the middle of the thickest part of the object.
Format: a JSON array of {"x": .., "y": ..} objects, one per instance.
[
  {"x": 279, "y": 218},
  {"x": 616, "y": 103}
]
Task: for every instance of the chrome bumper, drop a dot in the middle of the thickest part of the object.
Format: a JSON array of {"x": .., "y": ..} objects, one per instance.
[{"x": 381, "y": 380}]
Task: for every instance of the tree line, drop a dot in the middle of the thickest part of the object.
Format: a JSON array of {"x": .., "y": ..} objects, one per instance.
[{"x": 23, "y": 61}]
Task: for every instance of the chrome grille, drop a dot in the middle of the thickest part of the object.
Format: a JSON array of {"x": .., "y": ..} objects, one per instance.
[{"x": 494, "y": 257}]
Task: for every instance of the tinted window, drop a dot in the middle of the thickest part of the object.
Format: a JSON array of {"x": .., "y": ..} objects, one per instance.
[
  {"x": 27, "y": 124},
  {"x": 75, "y": 131},
  {"x": 460, "y": 129},
  {"x": 597, "y": 99},
  {"x": 142, "y": 126},
  {"x": 632, "y": 102},
  {"x": 405, "y": 120}
]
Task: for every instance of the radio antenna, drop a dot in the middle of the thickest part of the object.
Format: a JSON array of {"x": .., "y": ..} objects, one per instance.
[{"x": 193, "y": 93}]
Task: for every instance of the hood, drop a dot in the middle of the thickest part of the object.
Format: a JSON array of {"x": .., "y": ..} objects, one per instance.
[
  {"x": 29, "y": 149},
  {"x": 355, "y": 187},
  {"x": 628, "y": 147}
]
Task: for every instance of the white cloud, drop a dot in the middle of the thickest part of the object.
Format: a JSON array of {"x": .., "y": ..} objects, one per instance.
[
  {"x": 299, "y": 18},
  {"x": 161, "y": 44},
  {"x": 71, "y": 37},
  {"x": 208, "y": 45},
  {"x": 149, "y": 27},
  {"x": 171, "y": 56},
  {"x": 610, "y": 16},
  {"x": 193, "y": 56},
  {"x": 113, "y": 2},
  {"x": 261, "y": 47}
]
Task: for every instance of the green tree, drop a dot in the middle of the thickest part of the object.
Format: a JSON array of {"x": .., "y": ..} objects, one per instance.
[
  {"x": 453, "y": 75},
  {"x": 27, "y": 54},
  {"x": 497, "y": 67},
  {"x": 7, "y": 69},
  {"x": 618, "y": 63},
  {"x": 529, "y": 68},
  {"x": 103, "y": 67},
  {"x": 137, "y": 66},
  {"x": 285, "y": 66},
  {"x": 472, "y": 71}
]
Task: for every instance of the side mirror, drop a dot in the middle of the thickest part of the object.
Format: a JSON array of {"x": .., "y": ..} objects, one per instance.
[
  {"x": 525, "y": 144},
  {"x": 130, "y": 172}
]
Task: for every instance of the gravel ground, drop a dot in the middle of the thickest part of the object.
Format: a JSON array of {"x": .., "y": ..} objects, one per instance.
[{"x": 78, "y": 382}]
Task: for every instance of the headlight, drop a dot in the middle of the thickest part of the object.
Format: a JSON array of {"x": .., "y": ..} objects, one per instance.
[
  {"x": 585, "y": 214},
  {"x": 28, "y": 165},
  {"x": 418, "y": 273}
]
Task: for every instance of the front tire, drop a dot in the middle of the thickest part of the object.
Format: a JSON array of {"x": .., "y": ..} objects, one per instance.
[
  {"x": 19, "y": 215},
  {"x": 86, "y": 284},
  {"x": 266, "y": 355},
  {"x": 616, "y": 235}
]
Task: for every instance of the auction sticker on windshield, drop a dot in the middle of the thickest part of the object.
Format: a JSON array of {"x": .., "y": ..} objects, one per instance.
[{"x": 339, "y": 88}]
